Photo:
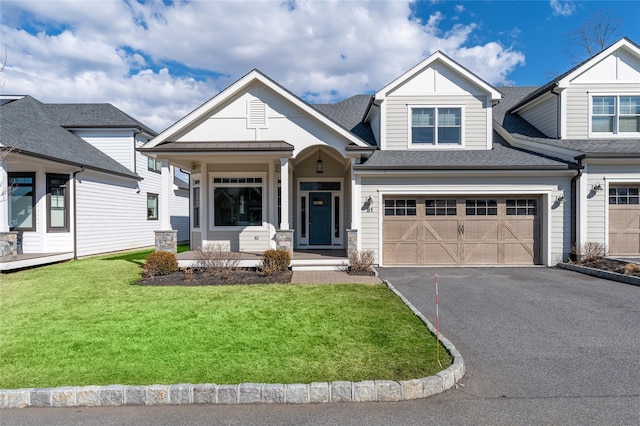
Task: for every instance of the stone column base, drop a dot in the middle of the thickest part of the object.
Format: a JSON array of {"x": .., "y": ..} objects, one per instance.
[
  {"x": 284, "y": 240},
  {"x": 352, "y": 241},
  {"x": 167, "y": 241},
  {"x": 8, "y": 246}
]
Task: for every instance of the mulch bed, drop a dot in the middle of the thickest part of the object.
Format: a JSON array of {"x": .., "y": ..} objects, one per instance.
[
  {"x": 200, "y": 278},
  {"x": 612, "y": 266}
]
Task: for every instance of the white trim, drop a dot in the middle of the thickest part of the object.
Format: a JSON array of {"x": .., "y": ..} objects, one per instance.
[
  {"x": 435, "y": 145},
  {"x": 164, "y": 201},
  {"x": 194, "y": 177},
  {"x": 563, "y": 115},
  {"x": 383, "y": 126},
  {"x": 284, "y": 187},
  {"x": 544, "y": 192},
  {"x": 211, "y": 206},
  {"x": 336, "y": 242},
  {"x": 488, "y": 107}
]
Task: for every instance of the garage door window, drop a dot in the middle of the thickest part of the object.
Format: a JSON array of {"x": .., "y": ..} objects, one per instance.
[
  {"x": 440, "y": 208},
  {"x": 482, "y": 207},
  {"x": 522, "y": 207},
  {"x": 623, "y": 195},
  {"x": 399, "y": 207}
]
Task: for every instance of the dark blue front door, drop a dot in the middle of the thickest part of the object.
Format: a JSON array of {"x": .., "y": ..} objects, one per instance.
[{"x": 320, "y": 218}]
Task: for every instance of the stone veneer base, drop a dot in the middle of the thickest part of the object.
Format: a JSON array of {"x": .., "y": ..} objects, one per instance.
[{"x": 245, "y": 393}]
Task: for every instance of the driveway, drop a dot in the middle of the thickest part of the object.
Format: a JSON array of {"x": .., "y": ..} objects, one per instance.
[{"x": 541, "y": 346}]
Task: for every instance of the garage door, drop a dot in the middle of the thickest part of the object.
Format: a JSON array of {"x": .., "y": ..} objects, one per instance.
[
  {"x": 624, "y": 220},
  {"x": 461, "y": 231}
]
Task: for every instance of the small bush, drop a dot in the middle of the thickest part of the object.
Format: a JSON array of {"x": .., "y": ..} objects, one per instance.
[
  {"x": 361, "y": 261},
  {"x": 590, "y": 252},
  {"x": 217, "y": 259},
  {"x": 160, "y": 263},
  {"x": 631, "y": 269},
  {"x": 274, "y": 261}
]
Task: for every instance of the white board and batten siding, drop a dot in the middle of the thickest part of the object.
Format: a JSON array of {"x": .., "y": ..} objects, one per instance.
[
  {"x": 436, "y": 86},
  {"x": 555, "y": 237}
]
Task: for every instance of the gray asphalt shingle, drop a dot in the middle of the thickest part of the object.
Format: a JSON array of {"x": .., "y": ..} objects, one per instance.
[{"x": 349, "y": 114}]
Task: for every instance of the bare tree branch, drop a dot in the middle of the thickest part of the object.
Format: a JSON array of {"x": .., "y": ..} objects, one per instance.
[{"x": 598, "y": 32}]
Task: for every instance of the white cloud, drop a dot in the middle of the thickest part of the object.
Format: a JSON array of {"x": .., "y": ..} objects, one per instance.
[
  {"x": 157, "y": 62},
  {"x": 562, "y": 8},
  {"x": 459, "y": 8}
]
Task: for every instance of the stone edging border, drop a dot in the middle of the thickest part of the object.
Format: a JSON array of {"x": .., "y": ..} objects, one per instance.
[
  {"x": 607, "y": 275},
  {"x": 245, "y": 393}
]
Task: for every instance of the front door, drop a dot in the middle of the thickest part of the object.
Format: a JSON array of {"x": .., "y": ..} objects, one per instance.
[{"x": 320, "y": 218}]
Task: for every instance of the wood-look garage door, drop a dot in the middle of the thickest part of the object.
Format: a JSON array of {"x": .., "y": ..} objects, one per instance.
[
  {"x": 624, "y": 220},
  {"x": 463, "y": 230}
]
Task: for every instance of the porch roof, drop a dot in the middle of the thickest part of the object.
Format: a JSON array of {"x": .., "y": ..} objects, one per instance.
[{"x": 226, "y": 146}]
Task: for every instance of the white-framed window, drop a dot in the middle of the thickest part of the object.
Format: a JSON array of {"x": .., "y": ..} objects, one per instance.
[
  {"x": 154, "y": 165},
  {"x": 615, "y": 115},
  {"x": 238, "y": 200},
  {"x": 152, "y": 206},
  {"x": 436, "y": 126}
]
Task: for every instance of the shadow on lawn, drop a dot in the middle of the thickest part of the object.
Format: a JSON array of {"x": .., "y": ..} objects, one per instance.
[{"x": 139, "y": 257}]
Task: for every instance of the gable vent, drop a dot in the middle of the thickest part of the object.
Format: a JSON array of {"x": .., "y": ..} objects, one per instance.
[{"x": 256, "y": 114}]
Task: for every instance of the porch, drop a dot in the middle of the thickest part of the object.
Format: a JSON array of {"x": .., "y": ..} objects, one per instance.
[
  {"x": 29, "y": 260},
  {"x": 302, "y": 260}
]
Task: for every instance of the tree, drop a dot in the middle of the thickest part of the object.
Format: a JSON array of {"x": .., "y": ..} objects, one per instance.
[{"x": 598, "y": 32}]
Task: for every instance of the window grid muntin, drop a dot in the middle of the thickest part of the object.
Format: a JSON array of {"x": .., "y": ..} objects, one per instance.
[
  {"x": 522, "y": 207},
  {"x": 615, "y": 114},
  {"x": 400, "y": 207},
  {"x": 624, "y": 195},
  {"x": 440, "y": 207},
  {"x": 436, "y": 125},
  {"x": 57, "y": 202},
  {"x": 481, "y": 207}
]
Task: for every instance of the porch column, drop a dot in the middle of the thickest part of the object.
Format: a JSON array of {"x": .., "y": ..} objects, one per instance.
[
  {"x": 4, "y": 196},
  {"x": 353, "y": 236},
  {"x": 8, "y": 239},
  {"x": 166, "y": 238},
  {"x": 284, "y": 235},
  {"x": 284, "y": 188}
]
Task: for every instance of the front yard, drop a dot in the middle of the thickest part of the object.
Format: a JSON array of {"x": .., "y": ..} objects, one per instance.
[{"x": 87, "y": 322}]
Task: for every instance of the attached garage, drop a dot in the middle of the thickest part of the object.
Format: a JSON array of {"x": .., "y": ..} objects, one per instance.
[
  {"x": 473, "y": 230},
  {"x": 624, "y": 220}
]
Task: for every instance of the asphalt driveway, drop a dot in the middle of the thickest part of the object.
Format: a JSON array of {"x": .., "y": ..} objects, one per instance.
[{"x": 541, "y": 346}]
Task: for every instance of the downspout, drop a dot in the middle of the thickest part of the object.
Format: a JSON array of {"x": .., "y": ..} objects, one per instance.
[
  {"x": 75, "y": 216},
  {"x": 574, "y": 208}
]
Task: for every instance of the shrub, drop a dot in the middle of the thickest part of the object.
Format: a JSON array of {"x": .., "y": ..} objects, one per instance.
[
  {"x": 160, "y": 263},
  {"x": 590, "y": 252},
  {"x": 217, "y": 259},
  {"x": 274, "y": 261},
  {"x": 631, "y": 269},
  {"x": 361, "y": 261}
]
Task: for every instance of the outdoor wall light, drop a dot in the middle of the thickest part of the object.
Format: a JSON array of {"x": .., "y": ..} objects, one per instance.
[
  {"x": 597, "y": 187},
  {"x": 319, "y": 164},
  {"x": 560, "y": 198},
  {"x": 369, "y": 200}
]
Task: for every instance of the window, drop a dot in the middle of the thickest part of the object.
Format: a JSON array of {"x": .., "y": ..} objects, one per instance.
[
  {"x": 436, "y": 126},
  {"x": 522, "y": 207},
  {"x": 624, "y": 195},
  {"x": 237, "y": 201},
  {"x": 154, "y": 165},
  {"x": 152, "y": 206},
  {"x": 57, "y": 203},
  {"x": 482, "y": 207},
  {"x": 615, "y": 114},
  {"x": 196, "y": 207},
  {"x": 440, "y": 208},
  {"x": 399, "y": 207},
  {"x": 22, "y": 201}
]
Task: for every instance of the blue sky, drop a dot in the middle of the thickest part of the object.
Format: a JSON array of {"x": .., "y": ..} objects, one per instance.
[{"x": 158, "y": 60}]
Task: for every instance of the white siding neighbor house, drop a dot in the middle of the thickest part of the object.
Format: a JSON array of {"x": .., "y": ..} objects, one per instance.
[{"x": 73, "y": 183}]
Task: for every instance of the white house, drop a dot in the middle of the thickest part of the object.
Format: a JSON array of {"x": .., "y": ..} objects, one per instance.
[{"x": 73, "y": 184}]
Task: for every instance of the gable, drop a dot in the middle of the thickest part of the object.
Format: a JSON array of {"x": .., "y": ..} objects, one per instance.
[
  {"x": 621, "y": 66},
  {"x": 437, "y": 78}
]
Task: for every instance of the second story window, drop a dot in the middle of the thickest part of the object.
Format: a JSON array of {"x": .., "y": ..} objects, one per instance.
[
  {"x": 154, "y": 165},
  {"x": 436, "y": 126},
  {"x": 615, "y": 115}
]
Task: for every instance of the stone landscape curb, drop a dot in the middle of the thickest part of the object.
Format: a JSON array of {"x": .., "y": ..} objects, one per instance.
[
  {"x": 607, "y": 275},
  {"x": 245, "y": 393}
]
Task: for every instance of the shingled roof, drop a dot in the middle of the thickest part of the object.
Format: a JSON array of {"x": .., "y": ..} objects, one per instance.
[
  {"x": 104, "y": 116},
  {"x": 28, "y": 126},
  {"x": 349, "y": 114}
]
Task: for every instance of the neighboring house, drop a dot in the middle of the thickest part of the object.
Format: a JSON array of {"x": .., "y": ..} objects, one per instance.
[
  {"x": 436, "y": 168},
  {"x": 73, "y": 183}
]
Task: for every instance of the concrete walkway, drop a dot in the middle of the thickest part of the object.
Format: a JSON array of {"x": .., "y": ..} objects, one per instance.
[{"x": 331, "y": 277}]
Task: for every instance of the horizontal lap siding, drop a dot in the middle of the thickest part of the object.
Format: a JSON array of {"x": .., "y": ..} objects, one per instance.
[
  {"x": 474, "y": 120},
  {"x": 544, "y": 116},
  {"x": 559, "y": 213}
]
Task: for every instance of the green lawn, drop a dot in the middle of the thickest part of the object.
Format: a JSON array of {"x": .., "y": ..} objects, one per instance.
[{"x": 86, "y": 322}]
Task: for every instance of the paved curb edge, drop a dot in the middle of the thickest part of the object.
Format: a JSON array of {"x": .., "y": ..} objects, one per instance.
[
  {"x": 245, "y": 393},
  {"x": 607, "y": 275}
]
